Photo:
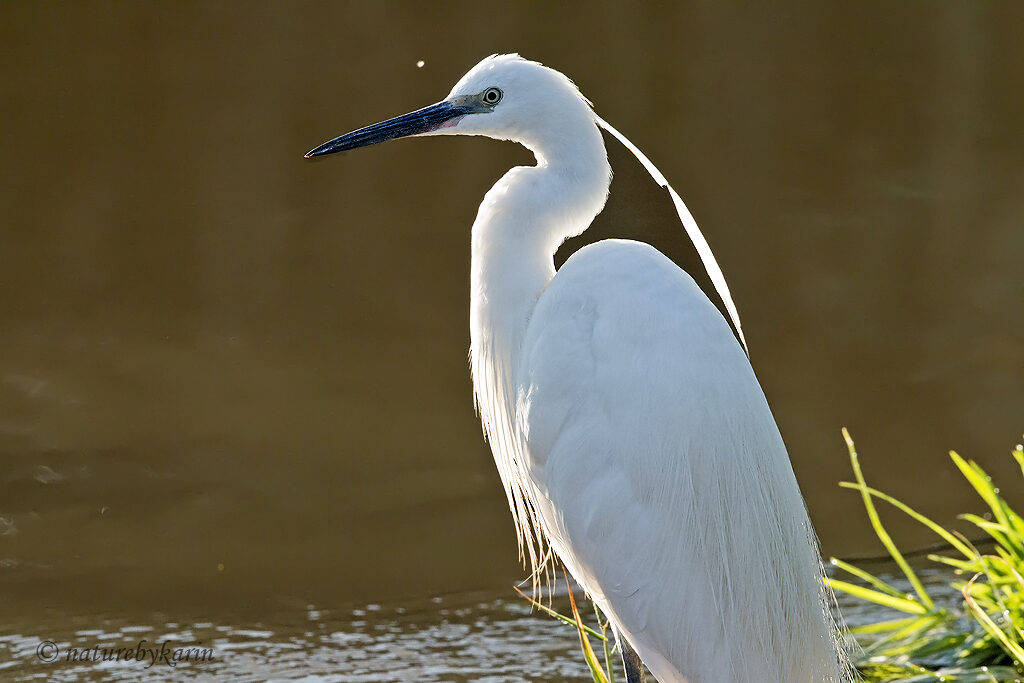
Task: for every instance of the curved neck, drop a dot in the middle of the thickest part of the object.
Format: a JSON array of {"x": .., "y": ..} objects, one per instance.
[{"x": 522, "y": 221}]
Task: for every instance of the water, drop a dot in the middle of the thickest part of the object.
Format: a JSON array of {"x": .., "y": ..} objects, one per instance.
[
  {"x": 233, "y": 383},
  {"x": 456, "y": 638},
  {"x": 465, "y": 637}
]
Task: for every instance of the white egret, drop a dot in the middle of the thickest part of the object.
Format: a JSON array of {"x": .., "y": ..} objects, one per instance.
[{"x": 630, "y": 433}]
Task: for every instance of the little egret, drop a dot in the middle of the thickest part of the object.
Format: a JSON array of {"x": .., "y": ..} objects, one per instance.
[{"x": 630, "y": 433}]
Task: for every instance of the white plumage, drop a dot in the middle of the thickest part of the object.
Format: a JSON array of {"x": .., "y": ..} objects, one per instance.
[{"x": 627, "y": 425}]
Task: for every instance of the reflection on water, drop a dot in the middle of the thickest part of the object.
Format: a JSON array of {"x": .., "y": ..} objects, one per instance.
[{"x": 469, "y": 637}]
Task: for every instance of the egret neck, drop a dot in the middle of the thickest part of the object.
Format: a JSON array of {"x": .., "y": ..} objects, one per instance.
[{"x": 522, "y": 221}]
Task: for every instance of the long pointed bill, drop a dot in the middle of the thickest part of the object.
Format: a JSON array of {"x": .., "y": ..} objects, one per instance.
[{"x": 414, "y": 123}]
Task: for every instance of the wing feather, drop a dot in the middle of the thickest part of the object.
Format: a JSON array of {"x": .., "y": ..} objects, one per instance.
[{"x": 659, "y": 475}]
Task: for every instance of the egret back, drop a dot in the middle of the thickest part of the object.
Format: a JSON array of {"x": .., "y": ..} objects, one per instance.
[{"x": 659, "y": 476}]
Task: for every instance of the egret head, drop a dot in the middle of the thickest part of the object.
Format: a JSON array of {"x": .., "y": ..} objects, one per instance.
[{"x": 504, "y": 97}]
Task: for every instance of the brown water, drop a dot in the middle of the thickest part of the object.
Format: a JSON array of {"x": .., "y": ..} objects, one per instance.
[{"x": 233, "y": 383}]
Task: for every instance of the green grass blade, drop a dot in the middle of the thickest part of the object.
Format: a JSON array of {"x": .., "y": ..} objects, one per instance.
[
  {"x": 606, "y": 644},
  {"x": 902, "y": 604},
  {"x": 588, "y": 652},
  {"x": 868, "y": 577},
  {"x": 1013, "y": 649},
  {"x": 880, "y": 531},
  {"x": 883, "y": 626},
  {"x": 998, "y": 674},
  {"x": 904, "y": 641},
  {"x": 982, "y": 483},
  {"x": 960, "y": 565},
  {"x": 557, "y": 615},
  {"x": 1007, "y": 538},
  {"x": 947, "y": 536}
]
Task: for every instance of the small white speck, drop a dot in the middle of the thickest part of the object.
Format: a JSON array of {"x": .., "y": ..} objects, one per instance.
[{"x": 419, "y": 64}]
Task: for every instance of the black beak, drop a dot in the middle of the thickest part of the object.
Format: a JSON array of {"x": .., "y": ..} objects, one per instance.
[{"x": 414, "y": 123}]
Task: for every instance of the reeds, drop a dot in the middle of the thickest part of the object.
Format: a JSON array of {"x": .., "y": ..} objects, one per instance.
[{"x": 983, "y": 640}]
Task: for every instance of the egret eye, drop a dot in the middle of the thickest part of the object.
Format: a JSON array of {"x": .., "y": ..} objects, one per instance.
[{"x": 491, "y": 96}]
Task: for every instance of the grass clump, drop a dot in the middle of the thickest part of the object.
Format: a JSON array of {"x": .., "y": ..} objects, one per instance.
[{"x": 981, "y": 641}]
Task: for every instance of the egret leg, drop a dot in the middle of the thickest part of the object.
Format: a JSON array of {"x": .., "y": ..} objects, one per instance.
[{"x": 631, "y": 660}]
